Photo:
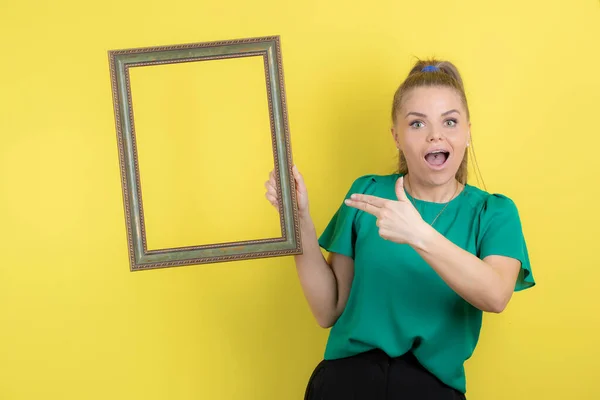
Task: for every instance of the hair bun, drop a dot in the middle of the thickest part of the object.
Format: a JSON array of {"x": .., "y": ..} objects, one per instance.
[{"x": 434, "y": 65}]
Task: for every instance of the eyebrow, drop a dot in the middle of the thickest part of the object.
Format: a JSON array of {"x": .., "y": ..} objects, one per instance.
[{"x": 425, "y": 116}]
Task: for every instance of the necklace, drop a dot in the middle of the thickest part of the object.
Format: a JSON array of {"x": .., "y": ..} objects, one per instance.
[{"x": 442, "y": 210}]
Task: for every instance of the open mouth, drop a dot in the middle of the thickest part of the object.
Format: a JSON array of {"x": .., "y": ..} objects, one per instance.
[{"x": 437, "y": 158}]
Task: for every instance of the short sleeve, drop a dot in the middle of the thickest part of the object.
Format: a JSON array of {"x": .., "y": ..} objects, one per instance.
[
  {"x": 501, "y": 234},
  {"x": 340, "y": 234}
]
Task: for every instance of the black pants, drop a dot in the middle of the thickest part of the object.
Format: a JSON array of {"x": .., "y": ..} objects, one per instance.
[{"x": 376, "y": 376}]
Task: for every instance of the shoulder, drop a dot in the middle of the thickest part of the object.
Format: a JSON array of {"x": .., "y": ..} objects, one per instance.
[
  {"x": 488, "y": 202},
  {"x": 493, "y": 211}
]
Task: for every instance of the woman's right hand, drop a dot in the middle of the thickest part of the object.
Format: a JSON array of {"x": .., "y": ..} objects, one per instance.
[{"x": 301, "y": 193}]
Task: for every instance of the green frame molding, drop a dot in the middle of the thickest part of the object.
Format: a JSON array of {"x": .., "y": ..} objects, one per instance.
[{"x": 140, "y": 258}]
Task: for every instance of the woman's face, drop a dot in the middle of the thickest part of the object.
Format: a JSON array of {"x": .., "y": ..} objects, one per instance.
[{"x": 432, "y": 130}]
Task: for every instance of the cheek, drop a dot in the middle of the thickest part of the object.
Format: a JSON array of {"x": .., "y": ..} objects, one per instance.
[
  {"x": 459, "y": 146},
  {"x": 460, "y": 153},
  {"x": 410, "y": 148},
  {"x": 409, "y": 140},
  {"x": 458, "y": 142}
]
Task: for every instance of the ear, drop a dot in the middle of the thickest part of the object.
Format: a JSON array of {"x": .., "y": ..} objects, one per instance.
[
  {"x": 469, "y": 135},
  {"x": 395, "y": 136}
]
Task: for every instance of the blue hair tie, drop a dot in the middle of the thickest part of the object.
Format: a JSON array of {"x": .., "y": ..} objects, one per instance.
[{"x": 430, "y": 68}]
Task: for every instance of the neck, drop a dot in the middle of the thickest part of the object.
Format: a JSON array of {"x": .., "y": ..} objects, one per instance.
[{"x": 432, "y": 193}]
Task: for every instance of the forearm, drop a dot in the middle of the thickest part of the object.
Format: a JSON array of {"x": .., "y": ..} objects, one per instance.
[
  {"x": 470, "y": 277},
  {"x": 316, "y": 276}
]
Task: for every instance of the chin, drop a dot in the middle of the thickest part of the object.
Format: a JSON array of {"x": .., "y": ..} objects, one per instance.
[{"x": 440, "y": 178}]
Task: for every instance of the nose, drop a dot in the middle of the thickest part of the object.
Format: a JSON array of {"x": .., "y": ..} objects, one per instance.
[{"x": 434, "y": 136}]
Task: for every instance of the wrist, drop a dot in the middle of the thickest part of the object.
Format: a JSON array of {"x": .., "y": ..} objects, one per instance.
[
  {"x": 424, "y": 237},
  {"x": 305, "y": 221}
]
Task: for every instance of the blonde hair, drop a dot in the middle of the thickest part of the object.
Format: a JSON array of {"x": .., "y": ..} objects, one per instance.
[{"x": 439, "y": 73}]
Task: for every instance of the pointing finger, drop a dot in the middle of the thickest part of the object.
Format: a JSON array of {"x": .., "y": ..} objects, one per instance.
[
  {"x": 364, "y": 206},
  {"x": 373, "y": 200}
]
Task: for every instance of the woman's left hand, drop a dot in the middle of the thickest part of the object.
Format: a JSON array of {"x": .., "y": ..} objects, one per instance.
[{"x": 398, "y": 221}]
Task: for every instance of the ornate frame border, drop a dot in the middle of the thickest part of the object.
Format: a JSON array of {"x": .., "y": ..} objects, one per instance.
[{"x": 140, "y": 258}]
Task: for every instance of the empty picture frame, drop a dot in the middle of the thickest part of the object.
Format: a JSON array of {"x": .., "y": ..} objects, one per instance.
[{"x": 121, "y": 62}]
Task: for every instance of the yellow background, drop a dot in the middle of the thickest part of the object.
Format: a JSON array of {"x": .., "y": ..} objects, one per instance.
[
  {"x": 203, "y": 136},
  {"x": 76, "y": 324}
]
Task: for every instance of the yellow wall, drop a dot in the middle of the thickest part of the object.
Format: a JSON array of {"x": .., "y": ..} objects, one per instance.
[{"x": 76, "y": 324}]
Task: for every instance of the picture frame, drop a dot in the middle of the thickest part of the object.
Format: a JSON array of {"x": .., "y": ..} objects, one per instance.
[{"x": 120, "y": 63}]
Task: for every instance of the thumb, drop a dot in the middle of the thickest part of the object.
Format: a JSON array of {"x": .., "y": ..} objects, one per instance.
[{"x": 400, "y": 193}]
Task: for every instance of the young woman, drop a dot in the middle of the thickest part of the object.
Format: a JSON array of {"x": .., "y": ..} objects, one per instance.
[{"x": 415, "y": 257}]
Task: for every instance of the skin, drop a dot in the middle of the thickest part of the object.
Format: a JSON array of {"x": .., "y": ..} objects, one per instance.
[{"x": 430, "y": 117}]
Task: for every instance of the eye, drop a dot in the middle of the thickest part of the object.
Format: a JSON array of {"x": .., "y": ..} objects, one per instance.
[
  {"x": 450, "y": 122},
  {"x": 417, "y": 124}
]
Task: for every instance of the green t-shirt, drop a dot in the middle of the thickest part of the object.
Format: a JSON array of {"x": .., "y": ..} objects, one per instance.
[{"x": 397, "y": 302}]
